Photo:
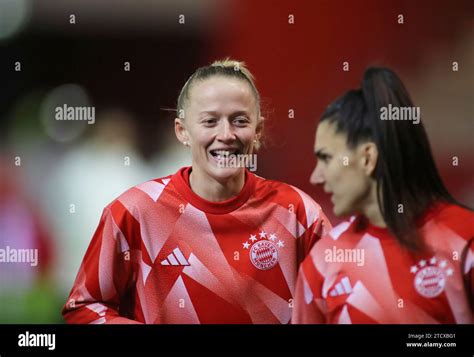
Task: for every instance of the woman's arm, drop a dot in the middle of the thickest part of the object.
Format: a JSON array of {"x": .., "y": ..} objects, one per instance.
[
  {"x": 306, "y": 309},
  {"x": 104, "y": 276}
]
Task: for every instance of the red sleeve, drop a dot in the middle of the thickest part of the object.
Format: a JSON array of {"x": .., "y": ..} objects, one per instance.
[
  {"x": 318, "y": 229},
  {"x": 104, "y": 276},
  {"x": 468, "y": 273},
  {"x": 307, "y": 308}
]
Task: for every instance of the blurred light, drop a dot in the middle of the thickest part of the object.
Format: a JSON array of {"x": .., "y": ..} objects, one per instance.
[
  {"x": 14, "y": 14},
  {"x": 72, "y": 95}
]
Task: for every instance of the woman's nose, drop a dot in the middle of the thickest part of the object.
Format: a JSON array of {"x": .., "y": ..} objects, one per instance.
[
  {"x": 225, "y": 131},
  {"x": 317, "y": 177}
]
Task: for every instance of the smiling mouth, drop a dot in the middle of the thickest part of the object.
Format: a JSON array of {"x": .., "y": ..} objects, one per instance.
[{"x": 223, "y": 154}]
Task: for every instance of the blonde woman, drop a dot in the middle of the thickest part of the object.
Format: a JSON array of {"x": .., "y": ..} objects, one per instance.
[{"x": 211, "y": 243}]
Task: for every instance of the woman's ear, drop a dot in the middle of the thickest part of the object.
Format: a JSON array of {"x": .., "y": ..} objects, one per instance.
[
  {"x": 181, "y": 132},
  {"x": 259, "y": 130},
  {"x": 258, "y": 134},
  {"x": 370, "y": 157}
]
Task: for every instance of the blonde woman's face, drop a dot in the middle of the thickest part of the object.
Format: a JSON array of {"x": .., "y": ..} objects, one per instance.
[{"x": 221, "y": 118}]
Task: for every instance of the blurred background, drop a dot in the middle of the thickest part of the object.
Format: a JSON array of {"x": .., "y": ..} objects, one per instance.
[{"x": 129, "y": 59}]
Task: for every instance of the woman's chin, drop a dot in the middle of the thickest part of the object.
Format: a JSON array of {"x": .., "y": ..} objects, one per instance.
[
  {"x": 338, "y": 211},
  {"x": 224, "y": 173}
]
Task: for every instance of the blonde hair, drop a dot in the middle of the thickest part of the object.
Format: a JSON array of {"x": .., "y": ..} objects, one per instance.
[{"x": 226, "y": 67}]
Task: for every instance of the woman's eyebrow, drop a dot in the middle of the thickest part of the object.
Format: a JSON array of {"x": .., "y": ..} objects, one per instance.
[
  {"x": 211, "y": 112},
  {"x": 240, "y": 112},
  {"x": 233, "y": 115}
]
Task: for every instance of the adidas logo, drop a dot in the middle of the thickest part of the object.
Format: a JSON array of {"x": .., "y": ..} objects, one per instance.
[
  {"x": 341, "y": 288},
  {"x": 176, "y": 258}
]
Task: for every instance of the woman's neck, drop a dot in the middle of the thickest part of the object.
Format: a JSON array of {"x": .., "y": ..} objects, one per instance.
[
  {"x": 213, "y": 190},
  {"x": 372, "y": 210}
]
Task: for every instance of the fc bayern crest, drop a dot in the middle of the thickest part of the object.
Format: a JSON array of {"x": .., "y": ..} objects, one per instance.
[
  {"x": 264, "y": 255},
  {"x": 264, "y": 252},
  {"x": 431, "y": 276}
]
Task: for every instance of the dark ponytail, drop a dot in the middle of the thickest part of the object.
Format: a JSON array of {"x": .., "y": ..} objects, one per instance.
[{"x": 406, "y": 175}]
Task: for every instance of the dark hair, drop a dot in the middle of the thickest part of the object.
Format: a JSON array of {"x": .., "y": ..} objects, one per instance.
[{"x": 405, "y": 171}]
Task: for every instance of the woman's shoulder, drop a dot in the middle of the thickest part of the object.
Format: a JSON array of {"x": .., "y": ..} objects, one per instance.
[
  {"x": 143, "y": 194},
  {"x": 446, "y": 210},
  {"x": 453, "y": 216},
  {"x": 284, "y": 191},
  {"x": 290, "y": 198}
]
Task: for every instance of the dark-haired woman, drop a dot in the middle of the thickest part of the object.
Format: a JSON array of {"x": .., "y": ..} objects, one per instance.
[
  {"x": 212, "y": 243},
  {"x": 406, "y": 253}
]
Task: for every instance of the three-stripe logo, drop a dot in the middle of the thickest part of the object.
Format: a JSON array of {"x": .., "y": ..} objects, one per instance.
[
  {"x": 176, "y": 258},
  {"x": 342, "y": 288}
]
